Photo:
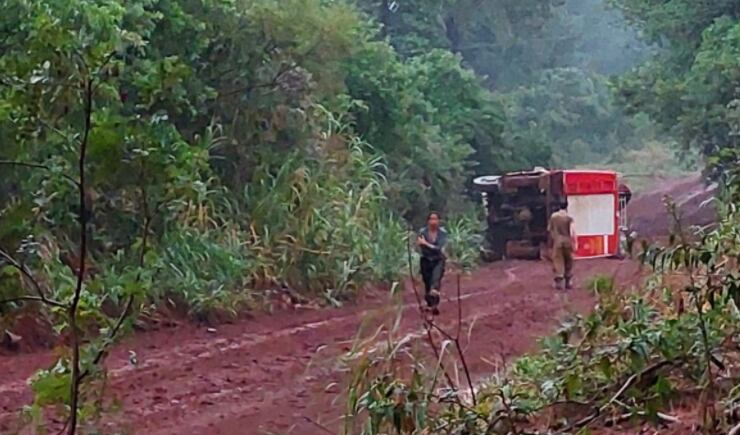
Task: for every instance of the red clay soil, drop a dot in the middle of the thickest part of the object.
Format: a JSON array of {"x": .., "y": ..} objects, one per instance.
[
  {"x": 648, "y": 215},
  {"x": 274, "y": 374},
  {"x": 278, "y": 374}
]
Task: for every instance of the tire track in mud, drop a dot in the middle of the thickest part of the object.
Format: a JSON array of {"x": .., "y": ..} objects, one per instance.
[
  {"x": 272, "y": 380},
  {"x": 162, "y": 359},
  {"x": 329, "y": 369},
  {"x": 223, "y": 345},
  {"x": 312, "y": 372}
]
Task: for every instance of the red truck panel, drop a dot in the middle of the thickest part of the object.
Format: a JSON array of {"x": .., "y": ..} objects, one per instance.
[
  {"x": 590, "y": 182},
  {"x": 593, "y": 198}
]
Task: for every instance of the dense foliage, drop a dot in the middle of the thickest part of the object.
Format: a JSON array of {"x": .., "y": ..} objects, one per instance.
[
  {"x": 275, "y": 136},
  {"x": 691, "y": 87},
  {"x": 509, "y": 42},
  {"x": 571, "y": 112},
  {"x": 547, "y": 62}
]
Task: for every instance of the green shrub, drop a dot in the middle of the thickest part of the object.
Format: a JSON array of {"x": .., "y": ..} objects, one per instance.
[
  {"x": 465, "y": 234},
  {"x": 207, "y": 270},
  {"x": 601, "y": 284}
]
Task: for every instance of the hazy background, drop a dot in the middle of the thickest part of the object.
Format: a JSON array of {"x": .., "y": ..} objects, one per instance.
[{"x": 549, "y": 64}]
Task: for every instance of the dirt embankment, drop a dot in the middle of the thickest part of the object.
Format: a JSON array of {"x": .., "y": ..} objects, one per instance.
[{"x": 649, "y": 216}]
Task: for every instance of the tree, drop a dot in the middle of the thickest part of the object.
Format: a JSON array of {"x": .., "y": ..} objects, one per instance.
[
  {"x": 530, "y": 54},
  {"x": 433, "y": 120},
  {"x": 690, "y": 85},
  {"x": 66, "y": 70},
  {"x": 573, "y": 113}
]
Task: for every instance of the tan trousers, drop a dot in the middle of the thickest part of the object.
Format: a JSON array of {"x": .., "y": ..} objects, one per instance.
[{"x": 562, "y": 261}]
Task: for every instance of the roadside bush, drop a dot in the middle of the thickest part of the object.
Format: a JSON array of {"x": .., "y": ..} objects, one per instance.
[
  {"x": 208, "y": 270},
  {"x": 465, "y": 234}
]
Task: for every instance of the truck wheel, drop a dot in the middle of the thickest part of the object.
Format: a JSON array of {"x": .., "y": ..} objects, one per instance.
[{"x": 490, "y": 256}]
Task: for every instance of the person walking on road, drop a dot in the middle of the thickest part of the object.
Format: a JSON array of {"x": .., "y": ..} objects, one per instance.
[
  {"x": 432, "y": 240},
  {"x": 563, "y": 239}
]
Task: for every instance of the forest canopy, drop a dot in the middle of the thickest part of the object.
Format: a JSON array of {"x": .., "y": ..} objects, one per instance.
[{"x": 691, "y": 87}]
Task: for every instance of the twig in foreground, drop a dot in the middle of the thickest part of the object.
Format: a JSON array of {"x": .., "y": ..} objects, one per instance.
[{"x": 630, "y": 381}]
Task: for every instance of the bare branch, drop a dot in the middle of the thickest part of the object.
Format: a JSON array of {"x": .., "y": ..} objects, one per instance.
[
  {"x": 272, "y": 83},
  {"x": 460, "y": 352},
  {"x": 36, "y": 166},
  {"x": 318, "y": 425},
  {"x": 53, "y": 128},
  {"x": 74, "y": 332},
  {"x": 29, "y": 276},
  {"x": 101, "y": 67},
  {"x": 32, "y": 299},
  {"x": 109, "y": 57},
  {"x": 627, "y": 384},
  {"x": 129, "y": 304},
  {"x": 459, "y": 309},
  {"x": 111, "y": 336}
]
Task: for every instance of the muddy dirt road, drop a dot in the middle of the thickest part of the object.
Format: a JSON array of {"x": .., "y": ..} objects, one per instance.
[{"x": 279, "y": 374}]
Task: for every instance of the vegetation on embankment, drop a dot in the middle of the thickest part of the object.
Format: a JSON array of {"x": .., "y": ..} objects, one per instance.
[{"x": 282, "y": 147}]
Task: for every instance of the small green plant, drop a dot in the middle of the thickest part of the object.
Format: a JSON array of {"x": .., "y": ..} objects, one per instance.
[
  {"x": 601, "y": 284},
  {"x": 465, "y": 237}
]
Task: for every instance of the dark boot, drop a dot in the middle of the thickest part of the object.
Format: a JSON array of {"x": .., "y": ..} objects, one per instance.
[
  {"x": 569, "y": 283},
  {"x": 558, "y": 284},
  {"x": 432, "y": 298}
]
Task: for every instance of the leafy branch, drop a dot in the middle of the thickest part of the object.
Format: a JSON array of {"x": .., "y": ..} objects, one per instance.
[
  {"x": 71, "y": 308},
  {"x": 25, "y": 272},
  {"x": 38, "y": 166}
]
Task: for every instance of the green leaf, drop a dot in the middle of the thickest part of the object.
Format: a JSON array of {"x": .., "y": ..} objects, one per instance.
[
  {"x": 51, "y": 386},
  {"x": 573, "y": 385}
]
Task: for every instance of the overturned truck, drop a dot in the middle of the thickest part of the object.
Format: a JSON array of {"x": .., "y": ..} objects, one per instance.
[{"x": 518, "y": 206}]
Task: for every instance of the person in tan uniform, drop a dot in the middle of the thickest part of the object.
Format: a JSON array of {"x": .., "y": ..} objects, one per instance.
[{"x": 563, "y": 240}]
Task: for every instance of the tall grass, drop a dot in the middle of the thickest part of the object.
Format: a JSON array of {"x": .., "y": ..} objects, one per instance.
[
  {"x": 323, "y": 222},
  {"x": 317, "y": 223},
  {"x": 465, "y": 235},
  {"x": 207, "y": 269}
]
